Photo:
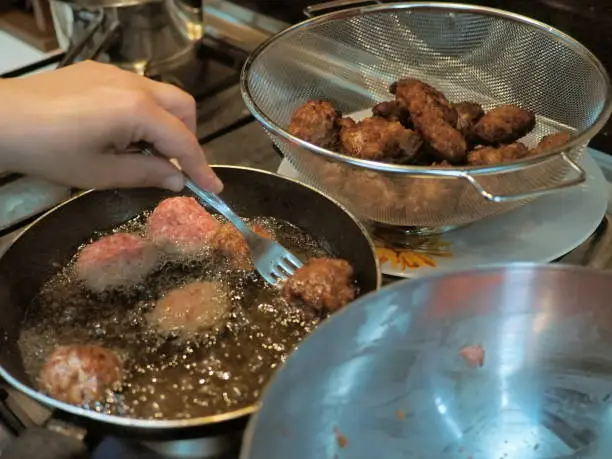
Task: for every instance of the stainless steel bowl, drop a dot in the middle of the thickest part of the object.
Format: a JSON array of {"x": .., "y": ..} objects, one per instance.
[
  {"x": 384, "y": 379},
  {"x": 470, "y": 53}
]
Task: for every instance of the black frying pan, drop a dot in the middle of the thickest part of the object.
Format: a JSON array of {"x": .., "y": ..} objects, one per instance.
[{"x": 53, "y": 239}]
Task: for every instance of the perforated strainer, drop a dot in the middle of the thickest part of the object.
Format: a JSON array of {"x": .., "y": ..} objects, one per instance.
[{"x": 470, "y": 53}]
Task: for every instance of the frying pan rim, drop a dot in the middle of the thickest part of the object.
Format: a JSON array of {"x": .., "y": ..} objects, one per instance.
[
  {"x": 428, "y": 280},
  {"x": 175, "y": 424}
]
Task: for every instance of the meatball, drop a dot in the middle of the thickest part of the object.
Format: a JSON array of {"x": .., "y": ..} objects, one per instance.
[
  {"x": 468, "y": 114},
  {"x": 443, "y": 142},
  {"x": 550, "y": 142},
  {"x": 316, "y": 122},
  {"x": 434, "y": 118},
  {"x": 80, "y": 374},
  {"x": 473, "y": 355},
  {"x": 181, "y": 225},
  {"x": 378, "y": 139},
  {"x": 115, "y": 261},
  {"x": 393, "y": 110},
  {"x": 194, "y": 307},
  {"x": 489, "y": 156},
  {"x": 419, "y": 97},
  {"x": 504, "y": 124},
  {"x": 322, "y": 283},
  {"x": 229, "y": 242},
  {"x": 374, "y": 192}
]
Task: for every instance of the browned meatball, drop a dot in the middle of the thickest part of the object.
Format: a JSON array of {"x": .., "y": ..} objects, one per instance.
[
  {"x": 443, "y": 141},
  {"x": 504, "y": 124},
  {"x": 550, "y": 142},
  {"x": 393, "y": 110},
  {"x": 316, "y": 122},
  {"x": 420, "y": 97},
  {"x": 191, "y": 308},
  {"x": 80, "y": 374},
  {"x": 468, "y": 114},
  {"x": 489, "y": 156},
  {"x": 434, "y": 118},
  {"x": 322, "y": 283},
  {"x": 230, "y": 243},
  {"x": 378, "y": 139}
]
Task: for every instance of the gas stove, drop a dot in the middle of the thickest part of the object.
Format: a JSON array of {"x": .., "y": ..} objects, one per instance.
[{"x": 228, "y": 135}]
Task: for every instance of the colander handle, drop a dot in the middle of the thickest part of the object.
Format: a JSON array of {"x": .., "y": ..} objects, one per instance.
[
  {"x": 313, "y": 10},
  {"x": 581, "y": 178}
]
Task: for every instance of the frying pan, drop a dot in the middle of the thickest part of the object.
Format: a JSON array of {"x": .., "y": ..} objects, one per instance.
[
  {"x": 53, "y": 239},
  {"x": 385, "y": 378}
]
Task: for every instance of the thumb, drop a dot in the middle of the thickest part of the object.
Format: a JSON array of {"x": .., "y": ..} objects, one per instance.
[{"x": 134, "y": 170}]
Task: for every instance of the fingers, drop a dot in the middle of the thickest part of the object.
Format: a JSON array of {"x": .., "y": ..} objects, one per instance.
[
  {"x": 174, "y": 140},
  {"x": 134, "y": 170},
  {"x": 178, "y": 102}
]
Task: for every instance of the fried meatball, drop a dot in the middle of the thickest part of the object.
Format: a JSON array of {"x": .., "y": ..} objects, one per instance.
[
  {"x": 316, "y": 122},
  {"x": 419, "y": 97},
  {"x": 550, "y": 142},
  {"x": 378, "y": 139},
  {"x": 230, "y": 243},
  {"x": 194, "y": 307},
  {"x": 374, "y": 192},
  {"x": 468, "y": 114},
  {"x": 490, "y": 156},
  {"x": 322, "y": 283},
  {"x": 434, "y": 118},
  {"x": 443, "y": 141},
  {"x": 181, "y": 225},
  {"x": 115, "y": 261},
  {"x": 393, "y": 110},
  {"x": 80, "y": 374},
  {"x": 504, "y": 124}
]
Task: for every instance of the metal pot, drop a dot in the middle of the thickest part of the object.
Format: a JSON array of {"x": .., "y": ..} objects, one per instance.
[
  {"x": 144, "y": 36},
  {"x": 51, "y": 241},
  {"x": 385, "y": 378}
]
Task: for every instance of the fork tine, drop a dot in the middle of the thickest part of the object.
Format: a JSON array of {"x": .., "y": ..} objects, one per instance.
[
  {"x": 295, "y": 261},
  {"x": 284, "y": 266}
]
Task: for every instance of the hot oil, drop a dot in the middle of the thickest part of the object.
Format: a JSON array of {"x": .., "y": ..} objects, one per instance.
[{"x": 173, "y": 375}]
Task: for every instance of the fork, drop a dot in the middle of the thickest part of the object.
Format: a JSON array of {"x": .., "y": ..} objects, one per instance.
[{"x": 271, "y": 260}]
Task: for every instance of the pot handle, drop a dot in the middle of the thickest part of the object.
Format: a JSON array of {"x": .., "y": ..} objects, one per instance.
[
  {"x": 45, "y": 443},
  {"x": 579, "y": 179},
  {"x": 313, "y": 10}
]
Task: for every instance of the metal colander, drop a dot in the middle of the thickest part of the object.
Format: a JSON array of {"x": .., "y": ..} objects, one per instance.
[{"x": 470, "y": 53}]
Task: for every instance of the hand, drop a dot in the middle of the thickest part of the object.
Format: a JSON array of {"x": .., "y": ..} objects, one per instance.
[{"x": 73, "y": 126}]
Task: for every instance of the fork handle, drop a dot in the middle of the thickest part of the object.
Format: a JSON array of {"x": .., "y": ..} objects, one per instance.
[{"x": 209, "y": 198}]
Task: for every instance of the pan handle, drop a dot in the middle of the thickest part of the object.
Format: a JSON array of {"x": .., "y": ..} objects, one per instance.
[
  {"x": 313, "y": 10},
  {"x": 56, "y": 440}
]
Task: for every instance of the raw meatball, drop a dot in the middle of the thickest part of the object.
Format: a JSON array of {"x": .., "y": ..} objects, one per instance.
[
  {"x": 322, "y": 283},
  {"x": 378, "y": 139},
  {"x": 181, "y": 225},
  {"x": 489, "y": 156},
  {"x": 504, "y": 124},
  {"x": 316, "y": 122},
  {"x": 80, "y": 374},
  {"x": 231, "y": 244},
  {"x": 473, "y": 355},
  {"x": 468, "y": 114},
  {"x": 194, "y": 307},
  {"x": 550, "y": 142},
  {"x": 393, "y": 110},
  {"x": 115, "y": 261}
]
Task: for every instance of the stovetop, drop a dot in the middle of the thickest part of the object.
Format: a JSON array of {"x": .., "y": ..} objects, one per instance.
[{"x": 228, "y": 135}]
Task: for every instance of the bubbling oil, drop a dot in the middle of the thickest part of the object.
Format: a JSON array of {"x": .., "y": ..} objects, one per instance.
[{"x": 172, "y": 375}]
